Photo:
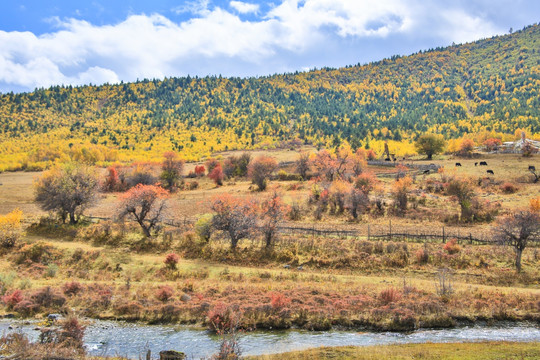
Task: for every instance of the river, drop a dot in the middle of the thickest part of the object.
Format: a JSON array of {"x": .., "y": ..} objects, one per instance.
[{"x": 132, "y": 340}]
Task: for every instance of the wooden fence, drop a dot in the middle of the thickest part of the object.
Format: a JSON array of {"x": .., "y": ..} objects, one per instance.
[
  {"x": 390, "y": 234},
  {"x": 368, "y": 232}
]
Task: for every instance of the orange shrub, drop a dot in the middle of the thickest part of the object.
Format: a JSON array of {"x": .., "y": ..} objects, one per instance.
[
  {"x": 508, "y": 188},
  {"x": 534, "y": 204},
  {"x": 366, "y": 182},
  {"x": 422, "y": 256},
  {"x": 452, "y": 247},
  {"x": 492, "y": 144}
]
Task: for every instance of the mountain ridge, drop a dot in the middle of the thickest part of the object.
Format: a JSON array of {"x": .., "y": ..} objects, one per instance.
[{"x": 486, "y": 88}]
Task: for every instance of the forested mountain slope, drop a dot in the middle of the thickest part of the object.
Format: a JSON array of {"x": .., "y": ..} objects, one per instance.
[{"x": 487, "y": 88}]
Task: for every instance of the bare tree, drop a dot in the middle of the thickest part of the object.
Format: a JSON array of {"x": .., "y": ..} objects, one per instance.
[
  {"x": 518, "y": 230},
  {"x": 171, "y": 170},
  {"x": 272, "y": 213},
  {"x": 302, "y": 165},
  {"x": 335, "y": 165},
  {"x": 536, "y": 174},
  {"x": 68, "y": 190},
  {"x": 357, "y": 202},
  {"x": 146, "y": 204},
  {"x": 237, "y": 217},
  {"x": 260, "y": 170},
  {"x": 463, "y": 190}
]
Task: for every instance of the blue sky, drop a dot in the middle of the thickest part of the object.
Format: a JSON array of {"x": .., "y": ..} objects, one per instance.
[{"x": 44, "y": 43}]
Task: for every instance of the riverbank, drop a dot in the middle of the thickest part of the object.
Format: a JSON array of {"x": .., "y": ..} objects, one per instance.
[
  {"x": 42, "y": 276},
  {"x": 447, "y": 351}
]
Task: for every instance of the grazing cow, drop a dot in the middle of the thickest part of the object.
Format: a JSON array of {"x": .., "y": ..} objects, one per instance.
[
  {"x": 475, "y": 164},
  {"x": 426, "y": 171},
  {"x": 458, "y": 164},
  {"x": 483, "y": 163},
  {"x": 531, "y": 168},
  {"x": 387, "y": 159},
  {"x": 490, "y": 172}
]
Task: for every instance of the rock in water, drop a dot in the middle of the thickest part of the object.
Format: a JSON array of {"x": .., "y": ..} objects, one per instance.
[{"x": 171, "y": 355}]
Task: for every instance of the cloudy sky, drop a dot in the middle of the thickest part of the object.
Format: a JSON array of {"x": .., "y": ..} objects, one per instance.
[{"x": 52, "y": 42}]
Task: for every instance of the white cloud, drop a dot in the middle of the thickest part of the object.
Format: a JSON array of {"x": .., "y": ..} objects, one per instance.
[
  {"x": 243, "y": 7},
  {"x": 196, "y": 7},
  {"x": 463, "y": 27},
  {"x": 148, "y": 46}
]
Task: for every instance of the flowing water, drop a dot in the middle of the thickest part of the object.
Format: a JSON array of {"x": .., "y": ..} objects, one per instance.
[{"x": 133, "y": 340}]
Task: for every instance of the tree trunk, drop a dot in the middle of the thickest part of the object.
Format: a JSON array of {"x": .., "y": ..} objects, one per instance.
[
  {"x": 518, "y": 259},
  {"x": 72, "y": 219},
  {"x": 429, "y": 156},
  {"x": 146, "y": 231},
  {"x": 268, "y": 236}
]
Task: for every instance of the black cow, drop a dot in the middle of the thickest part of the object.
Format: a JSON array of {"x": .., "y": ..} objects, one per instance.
[
  {"x": 483, "y": 163},
  {"x": 458, "y": 164},
  {"x": 426, "y": 171},
  {"x": 490, "y": 172},
  {"x": 532, "y": 168},
  {"x": 475, "y": 164}
]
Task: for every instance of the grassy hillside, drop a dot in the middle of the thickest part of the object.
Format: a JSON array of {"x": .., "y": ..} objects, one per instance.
[{"x": 486, "y": 88}]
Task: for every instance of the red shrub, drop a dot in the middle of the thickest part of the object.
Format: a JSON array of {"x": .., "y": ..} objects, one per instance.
[
  {"x": 171, "y": 260},
  {"x": 132, "y": 308},
  {"x": 452, "y": 247},
  {"x": 279, "y": 301},
  {"x": 72, "y": 288},
  {"x": 200, "y": 170},
  {"x": 211, "y": 164},
  {"x": 101, "y": 295},
  {"x": 71, "y": 333},
  {"x": 13, "y": 298},
  {"x": 217, "y": 175},
  {"x": 223, "y": 318},
  {"x": 164, "y": 293},
  {"x": 112, "y": 181},
  {"x": 389, "y": 295},
  {"x": 48, "y": 298},
  {"x": 26, "y": 307}
]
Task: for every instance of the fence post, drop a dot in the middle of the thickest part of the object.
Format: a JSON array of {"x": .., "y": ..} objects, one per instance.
[
  {"x": 368, "y": 232},
  {"x": 443, "y": 236},
  {"x": 470, "y": 238},
  {"x": 390, "y": 225}
]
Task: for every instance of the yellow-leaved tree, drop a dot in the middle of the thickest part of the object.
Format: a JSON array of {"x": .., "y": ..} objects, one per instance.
[{"x": 10, "y": 228}]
